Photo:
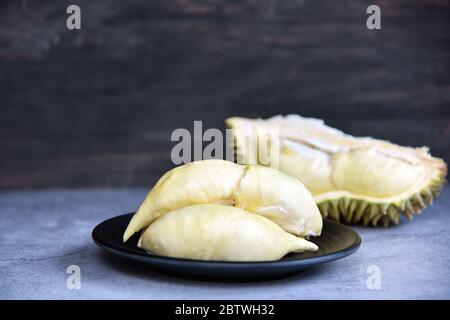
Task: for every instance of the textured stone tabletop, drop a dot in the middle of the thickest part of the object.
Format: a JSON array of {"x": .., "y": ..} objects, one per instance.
[{"x": 44, "y": 232}]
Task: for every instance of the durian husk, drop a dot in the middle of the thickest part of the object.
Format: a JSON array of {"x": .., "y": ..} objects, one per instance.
[{"x": 349, "y": 207}]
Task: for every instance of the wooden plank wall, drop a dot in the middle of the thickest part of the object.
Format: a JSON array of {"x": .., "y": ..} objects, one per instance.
[{"x": 95, "y": 107}]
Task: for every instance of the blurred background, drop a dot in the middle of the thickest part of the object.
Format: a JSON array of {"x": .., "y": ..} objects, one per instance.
[{"x": 95, "y": 107}]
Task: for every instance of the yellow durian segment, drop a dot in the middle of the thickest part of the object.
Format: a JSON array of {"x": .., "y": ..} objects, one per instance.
[
  {"x": 208, "y": 181},
  {"x": 313, "y": 166},
  {"x": 372, "y": 173},
  {"x": 281, "y": 198},
  {"x": 254, "y": 188},
  {"x": 221, "y": 233}
]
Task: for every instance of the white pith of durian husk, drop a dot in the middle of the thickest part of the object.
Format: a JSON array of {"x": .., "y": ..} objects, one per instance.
[
  {"x": 353, "y": 179},
  {"x": 258, "y": 189},
  {"x": 219, "y": 233}
]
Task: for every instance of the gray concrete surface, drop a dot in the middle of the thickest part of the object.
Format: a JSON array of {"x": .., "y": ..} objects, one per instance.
[{"x": 43, "y": 232}]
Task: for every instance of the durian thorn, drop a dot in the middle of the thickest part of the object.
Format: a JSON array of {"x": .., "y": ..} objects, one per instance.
[
  {"x": 347, "y": 218},
  {"x": 347, "y": 202},
  {"x": 383, "y": 208},
  {"x": 334, "y": 213},
  {"x": 392, "y": 212},
  {"x": 342, "y": 206},
  {"x": 409, "y": 212},
  {"x": 375, "y": 220},
  {"x": 402, "y": 206},
  {"x": 366, "y": 219},
  {"x": 419, "y": 200},
  {"x": 373, "y": 210},
  {"x": 427, "y": 196},
  {"x": 360, "y": 210},
  {"x": 353, "y": 205},
  {"x": 386, "y": 221},
  {"x": 323, "y": 207},
  {"x": 427, "y": 193},
  {"x": 351, "y": 210},
  {"x": 334, "y": 204},
  {"x": 397, "y": 218}
]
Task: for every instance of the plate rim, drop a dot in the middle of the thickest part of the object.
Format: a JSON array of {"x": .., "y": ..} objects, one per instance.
[{"x": 138, "y": 256}]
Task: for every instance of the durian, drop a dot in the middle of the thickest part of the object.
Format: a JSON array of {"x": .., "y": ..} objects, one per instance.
[
  {"x": 353, "y": 179},
  {"x": 258, "y": 189},
  {"x": 219, "y": 232}
]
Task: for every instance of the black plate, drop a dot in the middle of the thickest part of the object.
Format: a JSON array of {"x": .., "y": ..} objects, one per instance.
[{"x": 336, "y": 241}]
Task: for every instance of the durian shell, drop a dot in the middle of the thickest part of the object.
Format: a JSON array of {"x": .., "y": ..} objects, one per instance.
[
  {"x": 352, "y": 210},
  {"x": 356, "y": 211}
]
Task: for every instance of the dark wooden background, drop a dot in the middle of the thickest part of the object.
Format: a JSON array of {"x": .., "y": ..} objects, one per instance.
[{"x": 96, "y": 107}]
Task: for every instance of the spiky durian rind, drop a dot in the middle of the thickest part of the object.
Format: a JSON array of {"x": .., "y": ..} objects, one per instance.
[{"x": 358, "y": 211}]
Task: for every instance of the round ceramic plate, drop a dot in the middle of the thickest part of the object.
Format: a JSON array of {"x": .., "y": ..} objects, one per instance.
[{"x": 336, "y": 241}]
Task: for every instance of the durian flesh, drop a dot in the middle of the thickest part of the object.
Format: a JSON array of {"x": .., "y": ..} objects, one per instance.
[
  {"x": 258, "y": 189},
  {"x": 219, "y": 232},
  {"x": 352, "y": 179}
]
